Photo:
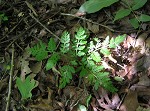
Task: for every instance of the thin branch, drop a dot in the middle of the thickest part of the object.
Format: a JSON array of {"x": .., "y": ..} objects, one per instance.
[
  {"x": 88, "y": 21},
  {"x": 10, "y": 79},
  {"x": 44, "y": 26}
]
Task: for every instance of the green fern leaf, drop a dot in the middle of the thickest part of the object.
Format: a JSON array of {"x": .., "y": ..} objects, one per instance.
[
  {"x": 51, "y": 45},
  {"x": 105, "y": 51},
  {"x": 107, "y": 84},
  {"x": 39, "y": 51},
  {"x": 96, "y": 56},
  {"x": 80, "y": 48},
  {"x": 52, "y": 61},
  {"x": 91, "y": 78},
  {"x": 106, "y": 41},
  {"x": 65, "y": 42},
  {"x": 83, "y": 72},
  {"x": 112, "y": 43},
  {"x": 80, "y": 42},
  {"x": 80, "y": 33},
  {"x": 97, "y": 69},
  {"x": 119, "y": 39},
  {"x": 105, "y": 81},
  {"x": 66, "y": 73}
]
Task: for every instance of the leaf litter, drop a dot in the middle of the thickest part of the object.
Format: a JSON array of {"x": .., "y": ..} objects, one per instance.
[{"x": 22, "y": 30}]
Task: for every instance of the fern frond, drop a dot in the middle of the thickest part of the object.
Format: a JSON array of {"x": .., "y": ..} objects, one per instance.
[
  {"x": 101, "y": 79},
  {"x": 39, "y": 51},
  {"x": 52, "y": 61},
  {"x": 51, "y": 45},
  {"x": 80, "y": 42},
  {"x": 66, "y": 73},
  {"x": 65, "y": 42}
]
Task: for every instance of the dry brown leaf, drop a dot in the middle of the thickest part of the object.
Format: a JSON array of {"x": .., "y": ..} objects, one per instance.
[
  {"x": 36, "y": 68},
  {"x": 24, "y": 68},
  {"x": 44, "y": 104},
  {"x": 148, "y": 42},
  {"x": 24, "y": 63},
  {"x": 75, "y": 95},
  {"x": 94, "y": 28},
  {"x": 130, "y": 102},
  {"x": 144, "y": 80},
  {"x": 42, "y": 33},
  {"x": 142, "y": 109}
]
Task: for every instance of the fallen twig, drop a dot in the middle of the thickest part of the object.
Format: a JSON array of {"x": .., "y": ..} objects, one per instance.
[
  {"x": 10, "y": 79},
  {"x": 44, "y": 26},
  {"x": 88, "y": 21}
]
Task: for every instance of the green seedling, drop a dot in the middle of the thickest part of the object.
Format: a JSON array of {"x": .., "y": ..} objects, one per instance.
[{"x": 3, "y": 18}]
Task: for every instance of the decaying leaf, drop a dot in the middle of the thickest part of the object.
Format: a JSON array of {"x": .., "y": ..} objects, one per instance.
[
  {"x": 130, "y": 102},
  {"x": 93, "y": 27},
  {"x": 24, "y": 63},
  {"x": 36, "y": 68}
]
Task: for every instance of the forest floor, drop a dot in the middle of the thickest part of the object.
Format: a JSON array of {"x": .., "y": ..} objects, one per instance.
[{"x": 24, "y": 23}]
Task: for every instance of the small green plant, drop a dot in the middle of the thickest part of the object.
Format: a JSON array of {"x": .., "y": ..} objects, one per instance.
[
  {"x": 3, "y": 18},
  {"x": 79, "y": 57},
  {"x": 26, "y": 86},
  {"x": 93, "y": 6},
  {"x": 39, "y": 51},
  {"x": 135, "y": 22}
]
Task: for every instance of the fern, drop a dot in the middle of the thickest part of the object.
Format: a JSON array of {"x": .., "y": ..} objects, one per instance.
[
  {"x": 66, "y": 73},
  {"x": 114, "y": 42},
  {"x": 102, "y": 79},
  {"x": 39, "y": 51},
  {"x": 95, "y": 73},
  {"x": 65, "y": 42},
  {"x": 51, "y": 45},
  {"x": 52, "y": 61},
  {"x": 85, "y": 58},
  {"x": 95, "y": 56},
  {"x": 98, "y": 77},
  {"x": 105, "y": 51},
  {"x": 80, "y": 42}
]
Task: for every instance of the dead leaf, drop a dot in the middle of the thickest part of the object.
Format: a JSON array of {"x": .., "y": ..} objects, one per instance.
[
  {"x": 3, "y": 83},
  {"x": 42, "y": 33},
  {"x": 142, "y": 109},
  {"x": 130, "y": 102},
  {"x": 44, "y": 104},
  {"x": 144, "y": 80},
  {"x": 75, "y": 95},
  {"x": 93, "y": 27},
  {"x": 36, "y": 68},
  {"x": 148, "y": 42},
  {"x": 24, "y": 68},
  {"x": 24, "y": 63},
  {"x": 115, "y": 100}
]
